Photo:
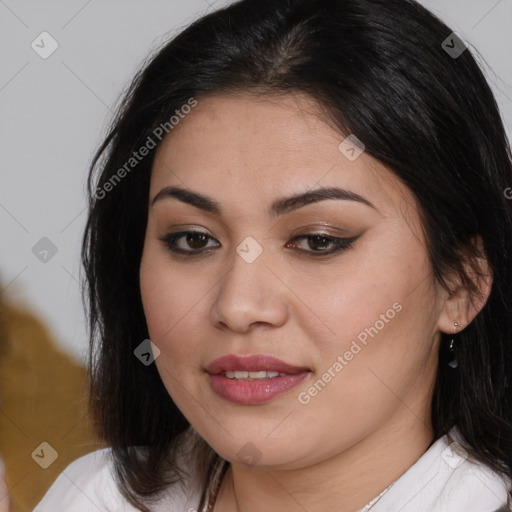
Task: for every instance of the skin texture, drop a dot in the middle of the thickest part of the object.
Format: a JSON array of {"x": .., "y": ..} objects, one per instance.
[{"x": 371, "y": 422}]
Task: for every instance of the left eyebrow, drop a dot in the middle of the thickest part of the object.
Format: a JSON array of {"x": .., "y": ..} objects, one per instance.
[
  {"x": 279, "y": 207},
  {"x": 288, "y": 204}
]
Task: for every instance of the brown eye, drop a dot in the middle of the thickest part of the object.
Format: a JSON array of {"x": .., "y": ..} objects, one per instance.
[
  {"x": 317, "y": 244},
  {"x": 187, "y": 241},
  {"x": 196, "y": 240}
]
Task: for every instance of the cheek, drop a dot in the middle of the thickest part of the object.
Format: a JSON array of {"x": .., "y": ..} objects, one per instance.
[
  {"x": 363, "y": 297},
  {"x": 375, "y": 312},
  {"x": 174, "y": 303},
  {"x": 372, "y": 360}
]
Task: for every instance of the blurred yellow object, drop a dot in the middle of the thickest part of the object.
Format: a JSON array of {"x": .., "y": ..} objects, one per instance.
[{"x": 43, "y": 420}]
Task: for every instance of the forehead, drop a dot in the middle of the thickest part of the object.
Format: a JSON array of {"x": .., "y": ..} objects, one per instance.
[{"x": 250, "y": 149}]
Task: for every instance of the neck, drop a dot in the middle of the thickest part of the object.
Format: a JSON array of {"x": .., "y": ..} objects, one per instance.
[{"x": 345, "y": 482}]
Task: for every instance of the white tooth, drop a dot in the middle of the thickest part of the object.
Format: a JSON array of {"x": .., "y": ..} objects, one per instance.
[
  {"x": 258, "y": 375},
  {"x": 262, "y": 374},
  {"x": 283, "y": 375}
]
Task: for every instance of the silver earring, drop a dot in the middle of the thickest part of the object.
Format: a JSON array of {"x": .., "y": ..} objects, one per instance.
[{"x": 453, "y": 363}]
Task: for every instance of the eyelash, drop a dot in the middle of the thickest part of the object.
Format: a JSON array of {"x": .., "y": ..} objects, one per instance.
[{"x": 340, "y": 243}]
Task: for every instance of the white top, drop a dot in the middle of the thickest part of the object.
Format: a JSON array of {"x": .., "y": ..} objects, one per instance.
[{"x": 442, "y": 480}]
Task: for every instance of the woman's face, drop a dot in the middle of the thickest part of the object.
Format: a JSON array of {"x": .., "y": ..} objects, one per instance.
[{"x": 263, "y": 277}]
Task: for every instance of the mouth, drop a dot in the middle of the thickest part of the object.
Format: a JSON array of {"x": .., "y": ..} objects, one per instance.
[
  {"x": 256, "y": 366},
  {"x": 253, "y": 379}
]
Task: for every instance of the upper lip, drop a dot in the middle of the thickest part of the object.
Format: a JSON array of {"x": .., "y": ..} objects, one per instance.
[{"x": 251, "y": 363}]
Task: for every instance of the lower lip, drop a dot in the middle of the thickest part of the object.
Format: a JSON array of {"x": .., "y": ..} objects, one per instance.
[{"x": 254, "y": 391}]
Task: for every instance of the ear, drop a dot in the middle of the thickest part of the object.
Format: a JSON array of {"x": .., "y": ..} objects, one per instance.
[{"x": 460, "y": 307}]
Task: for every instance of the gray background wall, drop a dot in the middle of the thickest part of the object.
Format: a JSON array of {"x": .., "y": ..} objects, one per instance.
[{"x": 54, "y": 112}]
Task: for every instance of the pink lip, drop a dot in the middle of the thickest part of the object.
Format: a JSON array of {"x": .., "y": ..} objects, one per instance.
[
  {"x": 256, "y": 391},
  {"x": 252, "y": 363}
]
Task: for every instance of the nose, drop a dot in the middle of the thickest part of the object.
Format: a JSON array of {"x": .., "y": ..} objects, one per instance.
[{"x": 250, "y": 293}]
